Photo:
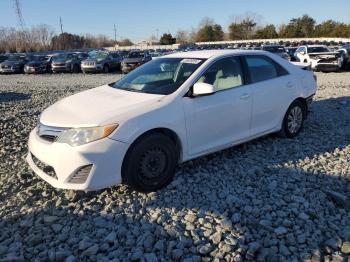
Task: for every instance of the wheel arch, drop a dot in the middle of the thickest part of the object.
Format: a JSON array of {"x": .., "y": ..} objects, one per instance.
[{"x": 159, "y": 130}]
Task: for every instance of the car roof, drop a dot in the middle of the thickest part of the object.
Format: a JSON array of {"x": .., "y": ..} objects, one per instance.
[
  {"x": 315, "y": 45},
  {"x": 205, "y": 54}
]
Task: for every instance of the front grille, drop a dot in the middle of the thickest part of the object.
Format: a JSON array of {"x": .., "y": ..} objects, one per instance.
[
  {"x": 89, "y": 63},
  {"x": 48, "y": 170},
  {"x": 80, "y": 176},
  {"x": 328, "y": 60}
]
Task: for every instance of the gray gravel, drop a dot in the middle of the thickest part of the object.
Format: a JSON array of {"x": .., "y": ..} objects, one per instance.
[{"x": 271, "y": 199}]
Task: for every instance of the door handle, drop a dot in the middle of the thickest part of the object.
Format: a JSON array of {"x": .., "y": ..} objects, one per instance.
[
  {"x": 289, "y": 85},
  {"x": 245, "y": 96}
]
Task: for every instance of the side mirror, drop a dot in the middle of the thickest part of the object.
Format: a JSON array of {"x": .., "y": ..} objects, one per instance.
[
  {"x": 202, "y": 89},
  {"x": 302, "y": 52}
]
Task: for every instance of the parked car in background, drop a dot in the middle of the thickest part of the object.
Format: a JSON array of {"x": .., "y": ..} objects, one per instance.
[
  {"x": 123, "y": 53},
  {"x": 3, "y": 58},
  {"x": 277, "y": 50},
  {"x": 67, "y": 62},
  {"x": 170, "y": 110},
  {"x": 101, "y": 61},
  {"x": 14, "y": 63},
  {"x": 291, "y": 52},
  {"x": 319, "y": 57},
  {"x": 38, "y": 64},
  {"x": 134, "y": 59},
  {"x": 344, "y": 52}
]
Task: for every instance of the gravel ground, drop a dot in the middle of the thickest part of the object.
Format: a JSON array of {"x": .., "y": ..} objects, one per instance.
[{"x": 271, "y": 199}]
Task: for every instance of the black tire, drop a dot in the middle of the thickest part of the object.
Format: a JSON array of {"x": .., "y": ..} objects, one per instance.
[
  {"x": 106, "y": 69},
  {"x": 76, "y": 69},
  {"x": 293, "y": 121},
  {"x": 150, "y": 163}
]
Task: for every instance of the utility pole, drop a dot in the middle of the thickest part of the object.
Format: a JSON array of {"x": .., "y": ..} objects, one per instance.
[
  {"x": 115, "y": 34},
  {"x": 61, "y": 25},
  {"x": 157, "y": 30}
]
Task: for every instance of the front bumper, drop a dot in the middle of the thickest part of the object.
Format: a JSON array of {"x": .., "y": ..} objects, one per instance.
[
  {"x": 91, "y": 69},
  {"x": 326, "y": 66},
  {"x": 128, "y": 68},
  {"x": 33, "y": 70},
  {"x": 10, "y": 70},
  {"x": 105, "y": 156},
  {"x": 59, "y": 69}
]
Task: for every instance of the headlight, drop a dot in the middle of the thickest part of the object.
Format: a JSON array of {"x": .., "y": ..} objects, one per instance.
[{"x": 81, "y": 136}]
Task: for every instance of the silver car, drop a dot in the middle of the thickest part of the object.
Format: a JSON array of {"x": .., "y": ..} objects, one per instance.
[{"x": 101, "y": 61}]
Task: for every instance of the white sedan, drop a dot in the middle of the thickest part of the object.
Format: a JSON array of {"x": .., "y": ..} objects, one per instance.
[{"x": 168, "y": 111}]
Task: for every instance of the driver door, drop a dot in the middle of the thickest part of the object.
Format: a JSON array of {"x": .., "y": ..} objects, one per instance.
[{"x": 222, "y": 118}]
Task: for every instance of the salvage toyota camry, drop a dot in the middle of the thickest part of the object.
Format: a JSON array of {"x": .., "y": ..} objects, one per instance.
[{"x": 169, "y": 110}]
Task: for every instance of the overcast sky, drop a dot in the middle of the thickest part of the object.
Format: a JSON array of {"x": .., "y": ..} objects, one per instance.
[{"x": 140, "y": 19}]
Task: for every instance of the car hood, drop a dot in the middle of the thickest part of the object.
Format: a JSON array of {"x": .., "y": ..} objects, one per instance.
[
  {"x": 59, "y": 60},
  {"x": 89, "y": 60},
  {"x": 323, "y": 54},
  {"x": 98, "y": 106},
  {"x": 10, "y": 63},
  {"x": 35, "y": 63},
  {"x": 132, "y": 60}
]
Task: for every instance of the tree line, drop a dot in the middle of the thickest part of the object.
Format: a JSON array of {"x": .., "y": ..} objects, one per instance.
[
  {"x": 43, "y": 38},
  {"x": 247, "y": 26}
]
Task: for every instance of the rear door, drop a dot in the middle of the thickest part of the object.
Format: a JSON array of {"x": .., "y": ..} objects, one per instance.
[{"x": 273, "y": 91}]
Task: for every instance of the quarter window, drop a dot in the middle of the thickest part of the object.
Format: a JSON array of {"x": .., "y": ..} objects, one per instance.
[{"x": 224, "y": 74}]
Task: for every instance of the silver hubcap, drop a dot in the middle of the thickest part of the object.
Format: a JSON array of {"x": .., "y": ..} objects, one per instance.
[{"x": 295, "y": 119}]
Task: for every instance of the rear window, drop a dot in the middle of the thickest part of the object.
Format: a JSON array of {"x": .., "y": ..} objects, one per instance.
[{"x": 263, "y": 68}]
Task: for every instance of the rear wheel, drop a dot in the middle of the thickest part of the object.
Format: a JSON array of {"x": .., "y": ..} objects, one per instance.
[
  {"x": 150, "y": 163},
  {"x": 106, "y": 69},
  {"x": 293, "y": 120}
]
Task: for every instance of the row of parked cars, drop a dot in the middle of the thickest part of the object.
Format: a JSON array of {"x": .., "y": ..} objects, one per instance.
[
  {"x": 74, "y": 62},
  {"x": 318, "y": 57}
]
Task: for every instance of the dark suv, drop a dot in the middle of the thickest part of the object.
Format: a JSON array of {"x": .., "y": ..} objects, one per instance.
[
  {"x": 344, "y": 53},
  {"x": 67, "y": 62},
  {"x": 134, "y": 59},
  {"x": 14, "y": 64},
  {"x": 38, "y": 64},
  {"x": 101, "y": 61}
]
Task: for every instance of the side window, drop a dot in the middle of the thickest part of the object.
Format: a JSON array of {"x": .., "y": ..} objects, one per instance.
[
  {"x": 224, "y": 74},
  {"x": 262, "y": 68}
]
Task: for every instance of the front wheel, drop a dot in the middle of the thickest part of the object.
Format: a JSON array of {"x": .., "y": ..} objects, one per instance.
[
  {"x": 150, "y": 163},
  {"x": 293, "y": 120}
]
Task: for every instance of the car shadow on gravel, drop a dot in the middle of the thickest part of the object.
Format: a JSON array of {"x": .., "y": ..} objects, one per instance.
[
  {"x": 13, "y": 96},
  {"x": 271, "y": 199}
]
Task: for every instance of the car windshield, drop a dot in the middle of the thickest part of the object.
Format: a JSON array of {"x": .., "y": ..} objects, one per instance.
[
  {"x": 318, "y": 49},
  {"x": 135, "y": 54},
  {"x": 15, "y": 58},
  {"x": 39, "y": 58},
  {"x": 274, "y": 49},
  {"x": 160, "y": 76},
  {"x": 98, "y": 55},
  {"x": 62, "y": 57}
]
